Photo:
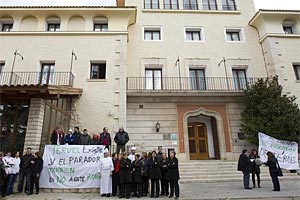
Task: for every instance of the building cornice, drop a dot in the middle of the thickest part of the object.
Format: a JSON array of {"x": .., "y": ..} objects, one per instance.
[
  {"x": 58, "y": 33},
  {"x": 236, "y": 12},
  {"x": 70, "y": 8},
  {"x": 278, "y": 35}
]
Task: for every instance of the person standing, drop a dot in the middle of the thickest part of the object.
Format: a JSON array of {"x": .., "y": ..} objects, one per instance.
[
  {"x": 173, "y": 175},
  {"x": 8, "y": 164},
  {"x": 105, "y": 138},
  {"x": 125, "y": 176},
  {"x": 244, "y": 165},
  {"x": 25, "y": 172},
  {"x": 121, "y": 139},
  {"x": 36, "y": 166},
  {"x": 106, "y": 169},
  {"x": 77, "y": 135},
  {"x": 273, "y": 169},
  {"x": 145, "y": 174},
  {"x": 137, "y": 176},
  {"x": 70, "y": 138},
  {"x": 164, "y": 183},
  {"x": 132, "y": 154},
  {"x": 255, "y": 169},
  {"x": 14, "y": 174},
  {"x": 159, "y": 153},
  {"x": 57, "y": 137},
  {"x": 85, "y": 138},
  {"x": 95, "y": 139},
  {"x": 154, "y": 174},
  {"x": 3, "y": 176},
  {"x": 115, "y": 174}
]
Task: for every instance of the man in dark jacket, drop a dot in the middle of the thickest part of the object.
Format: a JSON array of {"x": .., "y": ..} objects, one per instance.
[
  {"x": 57, "y": 137},
  {"x": 136, "y": 171},
  {"x": 273, "y": 169},
  {"x": 77, "y": 135},
  {"x": 164, "y": 183},
  {"x": 115, "y": 174},
  {"x": 121, "y": 139},
  {"x": 173, "y": 174},
  {"x": 36, "y": 167},
  {"x": 154, "y": 174},
  {"x": 25, "y": 171},
  {"x": 145, "y": 174},
  {"x": 244, "y": 165},
  {"x": 125, "y": 176},
  {"x": 85, "y": 138},
  {"x": 105, "y": 138}
]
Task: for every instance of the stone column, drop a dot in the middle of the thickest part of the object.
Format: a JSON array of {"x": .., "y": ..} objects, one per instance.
[{"x": 35, "y": 124}]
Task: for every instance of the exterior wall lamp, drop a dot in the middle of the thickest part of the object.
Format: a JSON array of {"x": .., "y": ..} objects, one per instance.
[{"x": 157, "y": 126}]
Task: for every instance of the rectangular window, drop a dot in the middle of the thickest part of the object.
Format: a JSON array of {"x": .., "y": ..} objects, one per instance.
[
  {"x": 151, "y": 4},
  {"x": 6, "y": 27},
  {"x": 153, "y": 79},
  {"x": 171, "y": 4},
  {"x": 193, "y": 34},
  {"x": 53, "y": 27},
  {"x": 209, "y": 5},
  {"x": 239, "y": 79},
  {"x": 297, "y": 71},
  {"x": 100, "y": 27},
  {"x": 47, "y": 74},
  {"x": 197, "y": 79},
  {"x": 152, "y": 34},
  {"x": 228, "y": 5},
  {"x": 288, "y": 29},
  {"x": 234, "y": 35},
  {"x": 2, "y": 64},
  {"x": 190, "y": 5},
  {"x": 98, "y": 71}
]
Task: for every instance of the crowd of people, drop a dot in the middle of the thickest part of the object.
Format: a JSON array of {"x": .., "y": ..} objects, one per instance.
[
  {"x": 251, "y": 164},
  {"x": 28, "y": 167},
  {"x": 129, "y": 174}
]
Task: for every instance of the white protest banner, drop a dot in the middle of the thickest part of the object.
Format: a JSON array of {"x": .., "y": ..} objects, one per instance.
[
  {"x": 286, "y": 152},
  {"x": 71, "y": 166}
]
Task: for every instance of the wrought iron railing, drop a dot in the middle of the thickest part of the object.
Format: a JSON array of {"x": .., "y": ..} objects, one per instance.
[
  {"x": 189, "y": 84},
  {"x": 229, "y": 7},
  {"x": 37, "y": 78}
]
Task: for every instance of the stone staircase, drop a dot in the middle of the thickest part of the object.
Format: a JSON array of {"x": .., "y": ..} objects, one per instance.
[{"x": 220, "y": 171}]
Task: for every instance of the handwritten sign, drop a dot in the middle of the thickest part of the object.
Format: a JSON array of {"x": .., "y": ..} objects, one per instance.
[
  {"x": 71, "y": 166},
  {"x": 286, "y": 152}
]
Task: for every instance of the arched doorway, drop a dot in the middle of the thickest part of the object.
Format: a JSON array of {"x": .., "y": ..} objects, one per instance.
[{"x": 198, "y": 142}]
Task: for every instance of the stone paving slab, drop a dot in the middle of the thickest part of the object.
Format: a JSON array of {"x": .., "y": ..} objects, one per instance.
[{"x": 290, "y": 190}]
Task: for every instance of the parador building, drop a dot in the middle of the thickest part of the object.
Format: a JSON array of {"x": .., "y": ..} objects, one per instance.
[{"x": 171, "y": 72}]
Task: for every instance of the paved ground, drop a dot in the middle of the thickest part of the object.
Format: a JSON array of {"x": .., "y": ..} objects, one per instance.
[{"x": 290, "y": 190}]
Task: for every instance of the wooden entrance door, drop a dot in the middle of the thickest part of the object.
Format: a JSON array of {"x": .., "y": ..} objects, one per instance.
[{"x": 198, "y": 141}]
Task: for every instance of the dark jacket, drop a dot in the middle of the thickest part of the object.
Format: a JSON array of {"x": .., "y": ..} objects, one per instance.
[
  {"x": 145, "y": 167},
  {"x": 244, "y": 163},
  {"x": 85, "y": 139},
  {"x": 37, "y": 167},
  {"x": 3, "y": 174},
  {"x": 25, "y": 162},
  {"x": 102, "y": 137},
  {"x": 173, "y": 171},
  {"x": 254, "y": 167},
  {"x": 70, "y": 139},
  {"x": 164, "y": 169},
  {"x": 272, "y": 163},
  {"x": 121, "y": 138},
  {"x": 54, "y": 136},
  {"x": 125, "y": 171},
  {"x": 76, "y": 137},
  {"x": 137, "y": 171},
  {"x": 154, "y": 168}
]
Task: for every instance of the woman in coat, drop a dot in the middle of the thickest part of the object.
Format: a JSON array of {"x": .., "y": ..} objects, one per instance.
[
  {"x": 115, "y": 174},
  {"x": 145, "y": 173},
  {"x": 173, "y": 175},
  {"x": 273, "y": 169},
  {"x": 36, "y": 167},
  {"x": 154, "y": 174},
  {"x": 136, "y": 167},
  {"x": 255, "y": 168},
  {"x": 125, "y": 176}
]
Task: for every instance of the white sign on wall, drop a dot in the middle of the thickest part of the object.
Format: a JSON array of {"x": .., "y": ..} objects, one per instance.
[
  {"x": 71, "y": 166},
  {"x": 286, "y": 152}
]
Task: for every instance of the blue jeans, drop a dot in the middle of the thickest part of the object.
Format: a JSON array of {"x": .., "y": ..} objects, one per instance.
[
  {"x": 246, "y": 179},
  {"x": 10, "y": 183}
]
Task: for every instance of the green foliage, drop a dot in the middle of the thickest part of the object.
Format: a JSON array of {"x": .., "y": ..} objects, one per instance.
[{"x": 270, "y": 112}]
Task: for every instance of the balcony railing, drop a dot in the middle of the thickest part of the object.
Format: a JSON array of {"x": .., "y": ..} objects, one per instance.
[
  {"x": 37, "y": 78},
  {"x": 221, "y": 84},
  {"x": 228, "y": 7}
]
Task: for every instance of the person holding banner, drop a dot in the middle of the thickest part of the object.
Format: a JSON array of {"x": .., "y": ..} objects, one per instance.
[
  {"x": 273, "y": 169},
  {"x": 106, "y": 169},
  {"x": 244, "y": 165}
]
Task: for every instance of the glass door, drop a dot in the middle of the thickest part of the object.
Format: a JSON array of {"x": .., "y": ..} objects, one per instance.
[
  {"x": 153, "y": 79},
  {"x": 47, "y": 74}
]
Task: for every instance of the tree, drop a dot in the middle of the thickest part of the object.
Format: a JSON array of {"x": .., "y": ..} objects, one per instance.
[{"x": 270, "y": 112}]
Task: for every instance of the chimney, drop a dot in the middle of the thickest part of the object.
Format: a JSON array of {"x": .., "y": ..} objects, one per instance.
[{"x": 120, "y": 3}]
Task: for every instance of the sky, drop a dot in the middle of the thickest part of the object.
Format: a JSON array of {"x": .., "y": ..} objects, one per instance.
[{"x": 265, "y": 4}]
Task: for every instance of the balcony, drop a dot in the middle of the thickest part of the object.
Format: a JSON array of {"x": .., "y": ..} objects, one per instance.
[
  {"x": 36, "y": 78},
  {"x": 188, "y": 85}
]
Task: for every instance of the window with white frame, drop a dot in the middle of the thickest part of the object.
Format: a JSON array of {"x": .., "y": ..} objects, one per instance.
[
  {"x": 153, "y": 78},
  {"x": 228, "y": 5},
  {"x": 98, "y": 70},
  {"x": 197, "y": 79},
  {"x": 297, "y": 70},
  {"x": 289, "y": 27},
  {"x": 209, "y": 5},
  {"x": 151, "y": 4},
  {"x": 53, "y": 24},
  {"x": 190, "y": 5},
  {"x": 234, "y": 34},
  {"x": 194, "y": 34},
  {"x": 152, "y": 33},
  {"x": 239, "y": 78},
  {"x": 100, "y": 24},
  {"x": 171, "y": 4}
]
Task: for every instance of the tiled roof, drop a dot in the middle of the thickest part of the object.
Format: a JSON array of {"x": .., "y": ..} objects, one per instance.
[{"x": 66, "y": 7}]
